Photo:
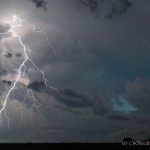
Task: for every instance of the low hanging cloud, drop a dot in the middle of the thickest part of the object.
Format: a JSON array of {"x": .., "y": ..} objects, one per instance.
[
  {"x": 66, "y": 96},
  {"x": 70, "y": 98}
]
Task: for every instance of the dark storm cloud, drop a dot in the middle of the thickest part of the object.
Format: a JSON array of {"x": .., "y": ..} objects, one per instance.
[
  {"x": 71, "y": 98},
  {"x": 65, "y": 96},
  {"x": 117, "y": 7},
  {"x": 7, "y": 82},
  {"x": 8, "y": 55},
  {"x": 40, "y": 3},
  {"x": 36, "y": 85}
]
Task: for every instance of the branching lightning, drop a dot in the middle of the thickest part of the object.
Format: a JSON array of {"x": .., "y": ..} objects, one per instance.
[{"x": 22, "y": 69}]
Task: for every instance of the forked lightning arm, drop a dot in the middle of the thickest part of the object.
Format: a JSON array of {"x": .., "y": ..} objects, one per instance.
[{"x": 23, "y": 64}]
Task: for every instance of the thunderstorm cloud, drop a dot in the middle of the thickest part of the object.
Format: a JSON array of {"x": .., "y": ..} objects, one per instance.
[{"x": 91, "y": 84}]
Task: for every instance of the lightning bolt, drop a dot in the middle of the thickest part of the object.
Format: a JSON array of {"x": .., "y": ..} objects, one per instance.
[{"x": 21, "y": 73}]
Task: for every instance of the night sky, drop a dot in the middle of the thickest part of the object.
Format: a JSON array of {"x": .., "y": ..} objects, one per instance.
[{"x": 98, "y": 71}]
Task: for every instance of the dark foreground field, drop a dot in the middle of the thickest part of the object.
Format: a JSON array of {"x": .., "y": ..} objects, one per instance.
[{"x": 67, "y": 146}]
